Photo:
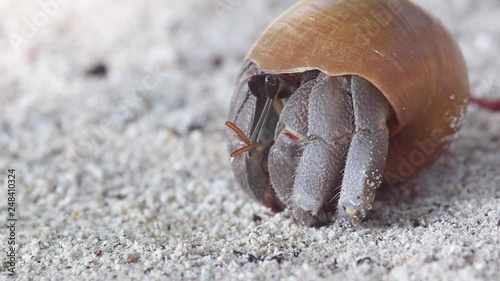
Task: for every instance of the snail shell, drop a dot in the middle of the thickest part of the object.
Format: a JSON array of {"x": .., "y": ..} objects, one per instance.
[{"x": 403, "y": 51}]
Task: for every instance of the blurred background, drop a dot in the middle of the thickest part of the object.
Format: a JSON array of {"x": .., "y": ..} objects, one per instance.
[{"x": 112, "y": 113}]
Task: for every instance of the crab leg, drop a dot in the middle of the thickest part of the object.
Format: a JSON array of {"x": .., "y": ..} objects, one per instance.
[
  {"x": 367, "y": 153},
  {"x": 307, "y": 159}
]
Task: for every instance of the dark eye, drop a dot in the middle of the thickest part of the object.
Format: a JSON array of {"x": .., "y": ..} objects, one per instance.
[
  {"x": 256, "y": 85},
  {"x": 272, "y": 80}
]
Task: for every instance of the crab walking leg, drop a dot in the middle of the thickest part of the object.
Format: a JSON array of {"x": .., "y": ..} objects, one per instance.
[
  {"x": 320, "y": 159},
  {"x": 367, "y": 153},
  {"x": 290, "y": 132}
]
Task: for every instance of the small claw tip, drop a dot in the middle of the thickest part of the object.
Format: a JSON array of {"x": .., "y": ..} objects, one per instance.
[
  {"x": 352, "y": 216},
  {"x": 352, "y": 212}
]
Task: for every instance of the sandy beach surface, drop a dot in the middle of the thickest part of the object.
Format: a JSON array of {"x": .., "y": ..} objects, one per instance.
[{"x": 112, "y": 115}]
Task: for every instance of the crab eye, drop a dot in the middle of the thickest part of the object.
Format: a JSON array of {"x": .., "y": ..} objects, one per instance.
[
  {"x": 272, "y": 86},
  {"x": 256, "y": 85}
]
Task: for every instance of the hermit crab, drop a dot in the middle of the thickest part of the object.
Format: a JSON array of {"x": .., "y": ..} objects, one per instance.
[{"x": 337, "y": 96}]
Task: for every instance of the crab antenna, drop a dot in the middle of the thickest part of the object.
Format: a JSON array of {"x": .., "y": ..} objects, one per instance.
[
  {"x": 241, "y": 135},
  {"x": 242, "y": 150},
  {"x": 239, "y": 132}
]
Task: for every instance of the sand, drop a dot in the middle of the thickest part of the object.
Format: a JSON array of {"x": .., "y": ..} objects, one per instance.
[{"x": 112, "y": 115}]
